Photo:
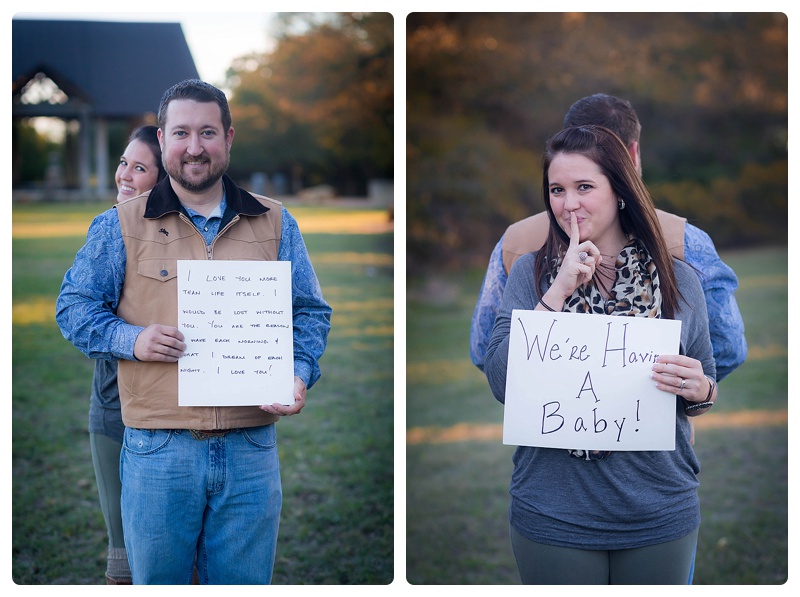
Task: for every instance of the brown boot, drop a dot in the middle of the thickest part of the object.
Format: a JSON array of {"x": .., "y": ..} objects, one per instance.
[{"x": 118, "y": 581}]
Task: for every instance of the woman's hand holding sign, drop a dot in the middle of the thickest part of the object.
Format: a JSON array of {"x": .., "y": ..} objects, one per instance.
[{"x": 683, "y": 376}]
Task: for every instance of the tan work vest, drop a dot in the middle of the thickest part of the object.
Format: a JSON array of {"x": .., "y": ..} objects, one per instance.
[
  {"x": 153, "y": 245},
  {"x": 529, "y": 235}
]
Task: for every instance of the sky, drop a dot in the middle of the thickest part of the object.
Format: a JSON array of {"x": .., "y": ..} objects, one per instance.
[{"x": 214, "y": 39}]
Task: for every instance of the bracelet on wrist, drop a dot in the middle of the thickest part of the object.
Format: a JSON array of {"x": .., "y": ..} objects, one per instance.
[
  {"x": 546, "y": 306},
  {"x": 698, "y": 406},
  {"x": 711, "y": 387},
  {"x": 708, "y": 402}
]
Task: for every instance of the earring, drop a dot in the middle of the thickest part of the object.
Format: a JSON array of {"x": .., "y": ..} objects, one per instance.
[{"x": 621, "y": 204}]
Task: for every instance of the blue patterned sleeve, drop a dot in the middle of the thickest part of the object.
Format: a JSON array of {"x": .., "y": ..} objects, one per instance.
[
  {"x": 488, "y": 305},
  {"x": 311, "y": 315},
  {"x": 87, "y": 303},
  {"x": 719, "y": 284}
]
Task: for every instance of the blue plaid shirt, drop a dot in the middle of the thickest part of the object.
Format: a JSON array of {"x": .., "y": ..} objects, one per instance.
[
  {"x": 719, "y": 282},
  {"x": 87, "y": 304}
]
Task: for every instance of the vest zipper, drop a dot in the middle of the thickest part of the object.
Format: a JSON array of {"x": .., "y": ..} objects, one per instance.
[{"x": 210, "y": 248}]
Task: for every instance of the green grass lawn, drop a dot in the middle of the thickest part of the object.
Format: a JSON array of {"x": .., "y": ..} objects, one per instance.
[
  {"x": 337, "y": 456},
  {"x": 457, "y": 486}
]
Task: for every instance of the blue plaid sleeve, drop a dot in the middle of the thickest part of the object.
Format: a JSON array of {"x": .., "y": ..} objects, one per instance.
[
  {"x": 719, "y": 284},
  {"x": 491, "y": 294},
  {"x": 311, "y": 315},
  {"x": 87, "y": 303}
]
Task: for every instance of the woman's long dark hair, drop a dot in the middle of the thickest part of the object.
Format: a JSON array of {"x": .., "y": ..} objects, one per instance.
[{"x": 638, "y": 219}]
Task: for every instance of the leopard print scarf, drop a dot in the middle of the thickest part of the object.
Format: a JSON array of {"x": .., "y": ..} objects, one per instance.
[{"x": 635, "y": 293}]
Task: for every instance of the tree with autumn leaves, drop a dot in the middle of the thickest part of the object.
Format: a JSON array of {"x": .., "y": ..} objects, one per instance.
[
  {"x": 318, "y": 108},
  {"x": 485, "y": 90}
]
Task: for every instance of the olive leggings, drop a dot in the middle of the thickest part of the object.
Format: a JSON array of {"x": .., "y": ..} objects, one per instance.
[
  {"x": 105, "y": 457},
  {"x": 662, "y": 564}
]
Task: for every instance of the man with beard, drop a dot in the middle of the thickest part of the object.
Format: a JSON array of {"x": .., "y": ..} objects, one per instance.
[{"x": 200, "y": 485}]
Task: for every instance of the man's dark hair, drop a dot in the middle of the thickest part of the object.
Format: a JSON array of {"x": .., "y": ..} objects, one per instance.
[
  {"x": 607, "y": 111},
  {"x": 199, "y": 91}
]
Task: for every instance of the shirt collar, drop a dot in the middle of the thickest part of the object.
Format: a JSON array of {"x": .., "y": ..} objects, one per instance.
[
  {"x": 163, "y": 200},
  {"x": 216, "y": 213}
]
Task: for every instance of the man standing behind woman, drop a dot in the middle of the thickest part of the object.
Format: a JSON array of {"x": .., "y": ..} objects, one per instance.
[
  {"x": 138, "y": 171},
  {"x": 591, "y": 517},
  {"x": 684, "y": 241}
]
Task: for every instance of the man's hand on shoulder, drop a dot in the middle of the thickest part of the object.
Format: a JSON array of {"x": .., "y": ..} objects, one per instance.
[{"x": 159, "y": 343}]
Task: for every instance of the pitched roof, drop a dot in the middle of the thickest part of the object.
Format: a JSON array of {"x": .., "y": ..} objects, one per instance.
[{"x": 120, "y": 69}]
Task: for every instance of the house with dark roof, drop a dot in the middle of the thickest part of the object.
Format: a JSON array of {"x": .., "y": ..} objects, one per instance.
[{"x": 97, "y": 72}]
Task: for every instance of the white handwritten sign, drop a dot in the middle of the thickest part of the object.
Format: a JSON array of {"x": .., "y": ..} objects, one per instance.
[
  {"x": 237, "y": 320},
  {"x": 583, "y": 381}
]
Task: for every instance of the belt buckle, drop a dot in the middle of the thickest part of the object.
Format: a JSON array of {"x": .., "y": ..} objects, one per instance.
[{"x": 202, "y": 434}]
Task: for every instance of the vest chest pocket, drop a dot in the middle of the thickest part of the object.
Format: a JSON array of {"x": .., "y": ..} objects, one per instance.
[{"x": 162, "y": 270}]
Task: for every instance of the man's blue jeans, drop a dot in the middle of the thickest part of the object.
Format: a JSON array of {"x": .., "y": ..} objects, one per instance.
[{"x": 214, "y": 503}]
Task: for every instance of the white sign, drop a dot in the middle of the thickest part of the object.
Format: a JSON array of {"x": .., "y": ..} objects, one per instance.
[
  {"x": 237, "y": 320},
  {"x": 581, "y": 381}
]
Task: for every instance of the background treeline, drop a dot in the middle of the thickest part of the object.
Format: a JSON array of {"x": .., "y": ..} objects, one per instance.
[
  {"x": 319, "y": 107},
  {"x": 484, "y": 91}
]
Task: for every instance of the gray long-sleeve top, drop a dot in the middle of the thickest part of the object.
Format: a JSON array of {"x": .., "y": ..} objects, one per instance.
[{"x": 628, "y": 499}]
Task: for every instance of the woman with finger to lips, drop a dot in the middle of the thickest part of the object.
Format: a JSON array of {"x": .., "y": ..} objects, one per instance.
[
  {"x": 596, "y": 517},
  {"x": 138, "y": 171}
]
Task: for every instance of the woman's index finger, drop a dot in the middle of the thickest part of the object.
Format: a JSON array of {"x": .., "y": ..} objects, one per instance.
[{"x": 575, "y": 235}]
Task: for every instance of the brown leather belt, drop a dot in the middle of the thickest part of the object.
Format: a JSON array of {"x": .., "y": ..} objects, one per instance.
[{"x": 206, "y": 433}]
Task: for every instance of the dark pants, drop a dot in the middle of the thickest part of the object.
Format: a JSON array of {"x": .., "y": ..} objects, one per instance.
[{"x": 662, "y": 564}]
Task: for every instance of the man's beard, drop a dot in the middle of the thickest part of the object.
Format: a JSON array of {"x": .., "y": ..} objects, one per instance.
[{"x": 197, "y": 186}]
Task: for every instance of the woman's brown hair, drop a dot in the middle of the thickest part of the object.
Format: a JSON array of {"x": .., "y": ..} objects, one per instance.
[{"x": 637, "y": 219}]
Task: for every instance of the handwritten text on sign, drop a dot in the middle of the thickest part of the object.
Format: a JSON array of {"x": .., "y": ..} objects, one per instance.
[
  {"x": 237, "y": 320},
  {"x": 583, "y": 382}
]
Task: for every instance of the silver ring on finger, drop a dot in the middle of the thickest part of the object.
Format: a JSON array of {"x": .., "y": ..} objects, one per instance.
[
  {"x": 683, "y": 384},
  {"x": 583, "y": 255}
]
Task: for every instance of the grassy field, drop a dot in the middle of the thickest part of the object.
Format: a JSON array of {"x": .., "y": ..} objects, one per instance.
[
  {"x": 337, "y": 457},
  {"x": 458, "y": 471}
]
